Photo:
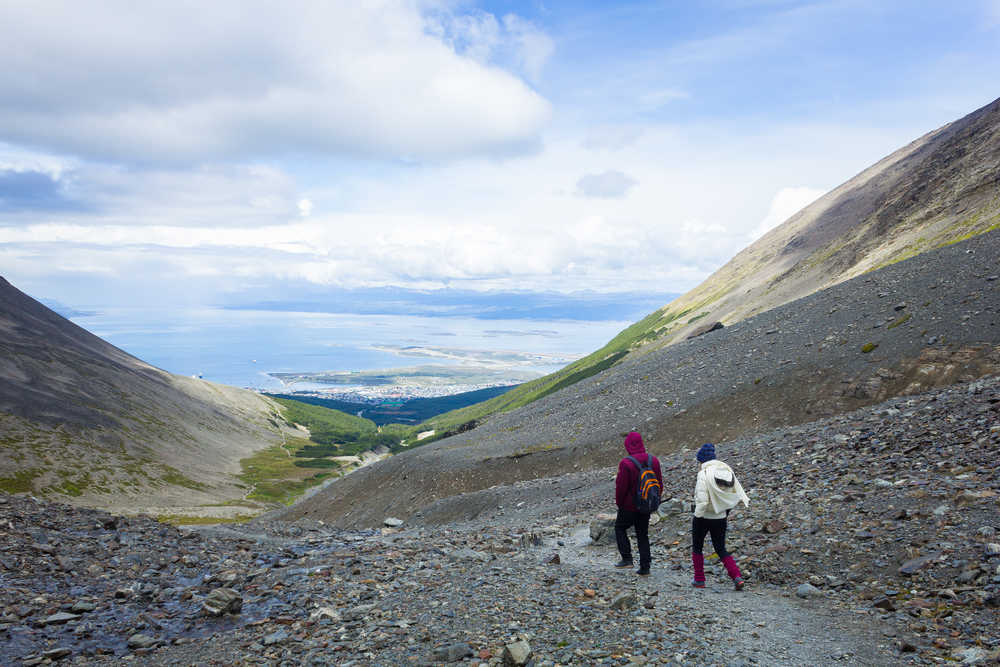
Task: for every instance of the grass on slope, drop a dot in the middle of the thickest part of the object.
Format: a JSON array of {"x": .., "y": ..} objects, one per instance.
[
  {"x": 272, "y": 476},
  {"x": 282, "y": 473}
]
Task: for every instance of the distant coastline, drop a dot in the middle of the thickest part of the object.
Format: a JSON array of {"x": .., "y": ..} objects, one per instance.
[
  {"x": 398, "y": 409},
  {"x": 427, "y": 381}
]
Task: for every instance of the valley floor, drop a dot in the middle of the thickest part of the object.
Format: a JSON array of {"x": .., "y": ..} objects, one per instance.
[{"x": 871, "y": 539}]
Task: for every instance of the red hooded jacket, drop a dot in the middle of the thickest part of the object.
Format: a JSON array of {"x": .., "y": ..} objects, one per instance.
[{"x": 628, "y": 474}]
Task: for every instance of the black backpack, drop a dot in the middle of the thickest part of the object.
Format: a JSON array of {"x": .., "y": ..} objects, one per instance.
[{"x": 648, "y": 489}]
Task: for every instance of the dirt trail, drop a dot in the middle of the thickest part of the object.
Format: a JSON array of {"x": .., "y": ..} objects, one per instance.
[{"x": 759, "y": 625}]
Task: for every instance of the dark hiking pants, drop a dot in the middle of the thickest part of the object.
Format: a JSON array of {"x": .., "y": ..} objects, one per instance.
[
  {"x": 716, "y": 528},
  {"x": 627, "y": 519}
]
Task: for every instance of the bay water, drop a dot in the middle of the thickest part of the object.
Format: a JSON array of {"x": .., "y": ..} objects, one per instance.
[{"x": 240, "y": 347}]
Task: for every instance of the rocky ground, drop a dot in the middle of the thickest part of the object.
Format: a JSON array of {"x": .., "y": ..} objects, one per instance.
[{"x": 871, "y": 539}]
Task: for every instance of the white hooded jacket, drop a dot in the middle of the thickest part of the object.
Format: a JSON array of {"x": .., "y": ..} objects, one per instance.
[{"x": 711, "y": 500}]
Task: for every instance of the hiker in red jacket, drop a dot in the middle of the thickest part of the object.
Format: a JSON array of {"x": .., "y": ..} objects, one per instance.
[{"x": 625, "y": 488}]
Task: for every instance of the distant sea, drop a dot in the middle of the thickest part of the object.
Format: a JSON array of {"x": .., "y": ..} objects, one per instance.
[{"x": 241, "y": 346}]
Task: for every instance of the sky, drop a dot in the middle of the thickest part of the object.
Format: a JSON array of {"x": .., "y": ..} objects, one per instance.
[{"x": 229, "y": 152}]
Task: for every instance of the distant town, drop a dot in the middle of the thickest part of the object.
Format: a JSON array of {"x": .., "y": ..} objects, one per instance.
[{"x": 377, "y": 395}]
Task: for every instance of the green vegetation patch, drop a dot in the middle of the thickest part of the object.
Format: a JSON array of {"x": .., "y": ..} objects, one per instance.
[
  {"x": 901, "y": 320},
  {"x": 184, "y": 520},
  {"x": 326, "y": 426},
  {"x": 868, "y": 347},
  {"x": 316, "y": 463},
  {"x": 177, "y": 478},
  {"x": 21, "y": 482}
]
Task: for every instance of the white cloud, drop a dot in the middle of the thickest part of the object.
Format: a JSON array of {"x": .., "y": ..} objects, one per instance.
[
  {"x": 476, "y": 223},
  {"x": 233, "y": 79},
  {"x": 786, "y": 203},
  {"x": 609, "y": 184},
  {"x": 534, "y": 47},
  {"x": 992, "y": 11},
  {"x": 657, "y": 99},
  {"x": 511, "y": 42}
]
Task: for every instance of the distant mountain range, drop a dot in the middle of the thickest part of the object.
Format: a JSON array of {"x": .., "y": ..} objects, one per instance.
[{"x": 490, "y": 305}]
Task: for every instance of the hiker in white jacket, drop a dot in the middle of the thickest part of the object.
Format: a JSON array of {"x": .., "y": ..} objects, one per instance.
[{"x": 716, "y": 492}]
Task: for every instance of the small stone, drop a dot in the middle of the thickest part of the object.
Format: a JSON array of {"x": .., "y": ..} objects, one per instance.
[
  {"x": 884, "y": 603},
  {"x": 277, "y": 637},
  {"x": 222, "y": 601},
  {"x": 82, "y": 607},
  {"x": 624, "y": 601},
  {"x": 516, "y": 653},
  {"x": 553, "y": 560},
  {"x": 57, "y": 653},
  {"x": 971, "y": 656},
  {"x": 452, "y": 653},
  {"x": 142, "y": 641},
  {"x": 807, "y": 591},
  {"x": 992, "y": 549},
  {"x": 602, "y": 530},
  {"x": 60, "y": 618},
  {"x": 393, "y": 522},
  {"x": 358, "y": 612},
  {"x": 774, "y": 526},
  {"x": 325, "y": 612},
  {"x": 915, "y": 564}
]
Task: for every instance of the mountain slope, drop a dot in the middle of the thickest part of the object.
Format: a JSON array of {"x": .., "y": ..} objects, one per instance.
[
  {"x": 939, "y": 189},
  {"x": 83, "y": 420},
  {"x": 926, "y": 322}
]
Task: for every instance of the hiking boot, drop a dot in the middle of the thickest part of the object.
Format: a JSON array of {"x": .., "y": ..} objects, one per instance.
[
  {"x": 698, "y": 584},
  {"x": 624, "y": 562},
  {"x": 643, "y": 571},
  {"x": 738, "y": 583}
]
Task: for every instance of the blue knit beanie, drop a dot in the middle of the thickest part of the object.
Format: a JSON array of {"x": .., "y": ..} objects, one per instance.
[{"x": 706, "y": 453}]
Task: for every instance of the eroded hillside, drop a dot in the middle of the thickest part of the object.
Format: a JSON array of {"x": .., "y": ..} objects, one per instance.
[
  {"x": 83, "y": 421},
  {"x": 939, "y": 189}
]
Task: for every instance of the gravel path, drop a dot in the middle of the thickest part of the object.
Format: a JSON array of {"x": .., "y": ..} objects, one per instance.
[{"x": 762, "y": 624}]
